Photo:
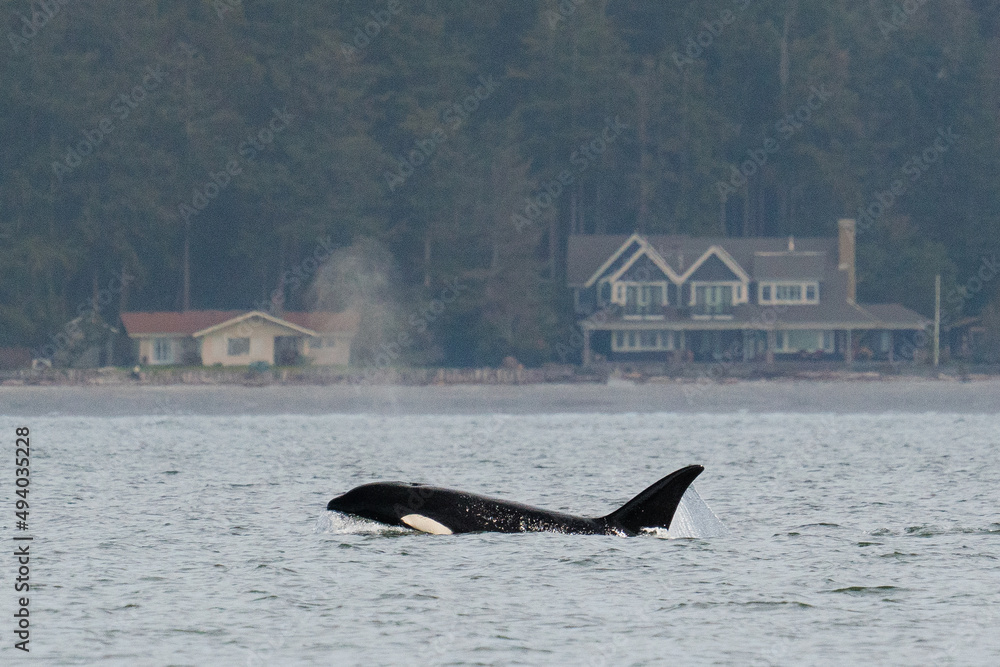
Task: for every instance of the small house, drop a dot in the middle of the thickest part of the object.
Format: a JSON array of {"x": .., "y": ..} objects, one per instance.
[{"x": 239, "y": 338}]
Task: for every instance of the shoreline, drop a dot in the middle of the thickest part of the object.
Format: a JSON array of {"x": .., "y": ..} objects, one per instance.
[
  {"x": 618, "y": 396},
  {"x": 692, "y": 373}
]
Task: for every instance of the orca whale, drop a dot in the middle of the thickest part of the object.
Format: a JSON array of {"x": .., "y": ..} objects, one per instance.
[{"x": 445, "y": 511}]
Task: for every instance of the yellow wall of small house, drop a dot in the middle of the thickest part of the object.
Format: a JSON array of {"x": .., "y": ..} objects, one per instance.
[
  {"x": 215, "y": 346},
  {"x": 338, "y": 355}
]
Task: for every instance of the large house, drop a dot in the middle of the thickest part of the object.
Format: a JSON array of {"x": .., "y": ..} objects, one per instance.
[
  {"x": 239, "y": 338},
  {"x": 677, "y": 297}
]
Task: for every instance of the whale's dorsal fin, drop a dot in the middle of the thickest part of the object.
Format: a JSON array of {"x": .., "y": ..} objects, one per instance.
[
  {"x": 654, "y": 507},
  {"x": 425, "y": 524}
]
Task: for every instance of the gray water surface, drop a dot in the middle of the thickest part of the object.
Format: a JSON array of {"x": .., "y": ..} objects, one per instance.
[{"x": 203, "y": 539}]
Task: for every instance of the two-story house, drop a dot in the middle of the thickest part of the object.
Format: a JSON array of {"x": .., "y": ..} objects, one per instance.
[{"x": 678, "y": 297}]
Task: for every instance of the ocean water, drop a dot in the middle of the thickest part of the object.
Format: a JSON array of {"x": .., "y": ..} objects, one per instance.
[{"x": 823, "y": 538}]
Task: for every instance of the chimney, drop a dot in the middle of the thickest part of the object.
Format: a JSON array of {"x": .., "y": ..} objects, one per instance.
[{"x": 846, "y": 243}]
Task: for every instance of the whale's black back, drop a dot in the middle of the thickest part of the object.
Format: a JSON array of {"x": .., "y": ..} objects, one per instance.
[{"x": 463, "y": 512}]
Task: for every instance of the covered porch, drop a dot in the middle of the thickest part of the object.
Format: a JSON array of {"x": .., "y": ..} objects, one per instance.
[{"x": 725, "y": 342}]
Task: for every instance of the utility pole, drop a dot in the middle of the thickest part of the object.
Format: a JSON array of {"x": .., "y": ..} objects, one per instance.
[
  {"x": 937, "y": 319},
  {"x": 186, "y": 295}
]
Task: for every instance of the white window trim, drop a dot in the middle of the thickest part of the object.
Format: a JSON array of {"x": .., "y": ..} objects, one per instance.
[
  {"x": 597, "y": 275},
  {"x": 773, "y": 284},
  {"x": 726, "y": 258},
  {"x": 741, "y": 293},
  {"x": 650, "y": 253},
  {"x": 781, "y": 340},
  {"x": 168, "y": 343},
  {"x": 619, "y": 292},
  {"x": 666, "y": 341},
  {"x": 598, "y": 296}
]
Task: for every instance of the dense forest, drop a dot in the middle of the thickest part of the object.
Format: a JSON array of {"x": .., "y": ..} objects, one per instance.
[{"x": 165, "y": 154}]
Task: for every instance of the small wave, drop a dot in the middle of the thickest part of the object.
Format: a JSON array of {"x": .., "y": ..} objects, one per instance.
[
  {"x": 932, "y": 531},
  {"x": 865, "y": 590},
  {"x": 773, "y": 603},
  {"x": 336, "y": 523},
  {"x": 992, "y": 529}
]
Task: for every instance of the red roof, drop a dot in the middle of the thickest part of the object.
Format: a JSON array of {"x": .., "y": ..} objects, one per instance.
[
  {"x": 185, "y": 323},
  {"x": 189, "y": 322}
]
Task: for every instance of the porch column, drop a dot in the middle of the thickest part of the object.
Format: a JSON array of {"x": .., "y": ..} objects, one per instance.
[
  {"x": 747, "y": 337},
  {"x": 586, "y": 346},
  {"x": 772, "y": 342},
  {"x": 892, "y": 345},
  {"x": 848, "y": 348}
]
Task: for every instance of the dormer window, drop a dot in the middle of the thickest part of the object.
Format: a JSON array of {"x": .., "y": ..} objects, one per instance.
[
  {"x": 788, "y": 293},
  {"x": 641, "y": 300}
]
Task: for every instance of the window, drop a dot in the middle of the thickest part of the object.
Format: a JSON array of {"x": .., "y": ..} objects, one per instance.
[
  {"x": 643, "y": 299},
  {"x": 315, "y": 343},
  {"x": 645, "y": 341},
  {"x": 631, "y": 300},
  {"x": 666, "y": 340},
  {"x": 605, "y": 293},
  {"x": 238, "y": 346},
  {"x": 330, "y": 342},
  {"x": 163, "y": 350},
  {"x": 789, "y": 292},
  {"x": 652, "y": 296},
  {"x": 804, "y": 341},
  {"x": 713, "y": 299}
]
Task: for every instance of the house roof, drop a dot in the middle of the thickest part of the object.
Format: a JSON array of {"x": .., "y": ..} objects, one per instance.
[
  {"x": 254, "y": 314},
  {"x": 787, "y": 265},
  {"x": 895, "y": 314},
  {"x": 724, "y": 264},
  {"x": 195, "y": 321},
  {"x": 586, "y": 253},
  {"x": 184, "y": 324}
]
